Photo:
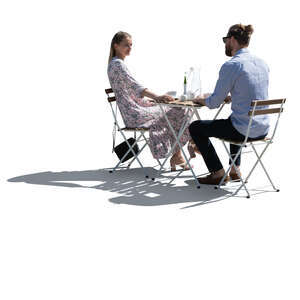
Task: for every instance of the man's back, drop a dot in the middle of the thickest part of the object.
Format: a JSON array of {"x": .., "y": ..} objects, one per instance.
[{"x": 251, "y": 82}]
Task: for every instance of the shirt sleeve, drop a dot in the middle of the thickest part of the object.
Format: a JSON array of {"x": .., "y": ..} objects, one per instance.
[
  {"x": 227, "y": 76},
  {"x": 129, "y": 81}
]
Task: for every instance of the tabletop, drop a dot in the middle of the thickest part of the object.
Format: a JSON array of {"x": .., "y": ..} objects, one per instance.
[{"x": 178, "y": 103}]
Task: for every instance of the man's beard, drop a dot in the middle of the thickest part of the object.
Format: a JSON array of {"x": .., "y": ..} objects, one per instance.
[{"x": 228, "y": 50}]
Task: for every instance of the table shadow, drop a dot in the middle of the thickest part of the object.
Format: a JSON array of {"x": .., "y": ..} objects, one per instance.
[{"x": 131, "y": 185}]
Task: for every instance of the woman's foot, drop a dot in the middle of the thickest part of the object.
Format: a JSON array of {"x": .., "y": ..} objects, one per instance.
[
  {"x": 177, "y": 160},
  {"x": 192, "y": 148}
]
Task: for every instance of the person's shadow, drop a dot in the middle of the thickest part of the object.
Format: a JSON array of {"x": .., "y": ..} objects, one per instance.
[{"x": 131, "y": 185}]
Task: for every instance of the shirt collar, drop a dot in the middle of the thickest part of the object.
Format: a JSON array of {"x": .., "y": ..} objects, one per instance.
[{"x": 242, "y": 50}]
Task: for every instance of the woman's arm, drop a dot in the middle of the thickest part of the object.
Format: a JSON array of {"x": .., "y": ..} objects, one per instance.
[
  {"x": 124, "y": 76},
  {"x": 162, "y": 98}
]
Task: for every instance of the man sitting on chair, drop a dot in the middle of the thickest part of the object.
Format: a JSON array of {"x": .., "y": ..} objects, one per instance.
[{"x": 246, "y": 78}]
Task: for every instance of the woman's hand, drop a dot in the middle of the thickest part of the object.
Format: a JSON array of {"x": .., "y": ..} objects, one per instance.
[{"x": 165, "y": 98}]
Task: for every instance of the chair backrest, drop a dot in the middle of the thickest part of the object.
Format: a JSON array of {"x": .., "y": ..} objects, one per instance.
[
  {"x": 111, "y": 98},
  {"x": 258, "y": 103},
  {"x": 257, "y": 108}
]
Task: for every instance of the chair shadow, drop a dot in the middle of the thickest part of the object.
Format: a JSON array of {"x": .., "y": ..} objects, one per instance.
[{"x": 131, "y": 185}]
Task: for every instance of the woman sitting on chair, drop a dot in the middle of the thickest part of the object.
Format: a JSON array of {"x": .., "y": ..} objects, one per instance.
[{"x": 139, "y": 112}]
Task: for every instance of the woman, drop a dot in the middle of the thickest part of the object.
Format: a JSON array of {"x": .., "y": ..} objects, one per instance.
[{"x": 139, "y": 112}]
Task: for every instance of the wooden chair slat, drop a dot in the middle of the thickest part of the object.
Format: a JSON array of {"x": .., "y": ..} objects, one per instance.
[
  {"x": 266, "y": 139},
  {"x": 265, "y": 111},
  {"x": 267, "y": 102},
  {"x": 135, "y": 129},
  {"x": 111, "y": 99},
  {"x": 108, "y": 91}
]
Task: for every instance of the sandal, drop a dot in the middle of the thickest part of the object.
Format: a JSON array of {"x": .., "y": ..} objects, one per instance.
[
  {"x": 192, "y": 148},
  {"x": 183, "y": 165}
]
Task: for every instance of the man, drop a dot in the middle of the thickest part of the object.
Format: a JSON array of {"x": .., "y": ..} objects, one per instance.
[{"x": 246, "y": 78}]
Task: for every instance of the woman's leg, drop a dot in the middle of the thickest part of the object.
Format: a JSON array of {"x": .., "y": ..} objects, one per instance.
[
  {"x": 176, "y": 116},
  {"x": 162, "y": 137}
]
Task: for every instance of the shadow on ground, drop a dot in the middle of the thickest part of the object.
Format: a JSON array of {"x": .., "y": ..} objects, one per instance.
[{"x": 131, "y": 185}]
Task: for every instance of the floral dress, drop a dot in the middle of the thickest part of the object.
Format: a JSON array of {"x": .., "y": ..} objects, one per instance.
[{"x": 139, "y": 112}]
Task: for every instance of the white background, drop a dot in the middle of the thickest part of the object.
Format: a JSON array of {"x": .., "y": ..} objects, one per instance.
[{"x": 58, "y": 242}]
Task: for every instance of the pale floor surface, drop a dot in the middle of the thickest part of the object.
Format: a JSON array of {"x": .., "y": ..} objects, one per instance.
[{"x": 89, "y": 234}]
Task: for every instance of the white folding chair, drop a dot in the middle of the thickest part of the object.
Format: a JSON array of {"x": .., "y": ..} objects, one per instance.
[
  {"x": 258, "y": 107},
  {"x": 139, "y": 135}
]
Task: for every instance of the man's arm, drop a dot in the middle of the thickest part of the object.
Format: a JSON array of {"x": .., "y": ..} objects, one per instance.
[
  {"x": 201, "y": 100},
  {"x": 224, "y": 85}
]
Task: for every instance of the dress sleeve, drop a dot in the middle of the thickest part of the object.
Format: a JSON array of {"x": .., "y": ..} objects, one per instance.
[{"x": 129, "y": 81}]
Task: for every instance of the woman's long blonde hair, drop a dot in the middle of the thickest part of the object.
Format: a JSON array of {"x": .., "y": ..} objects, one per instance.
[{"x": 117, "y": 39}]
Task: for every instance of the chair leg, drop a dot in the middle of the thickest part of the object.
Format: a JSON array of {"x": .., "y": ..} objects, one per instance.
[
  {"x": 261, "y": 163},
  {"x": 135, "y": 155},
  {"x": 147, "y": 143},
  {"x": 134, "y": 158},
  {"x": 130, "y": 149},
  {"x": 256, "y": 163},
  {"x": 243, "y": 182}
]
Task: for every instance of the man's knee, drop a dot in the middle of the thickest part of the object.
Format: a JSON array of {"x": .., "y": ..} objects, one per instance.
[{"x": 195, "y": 127}]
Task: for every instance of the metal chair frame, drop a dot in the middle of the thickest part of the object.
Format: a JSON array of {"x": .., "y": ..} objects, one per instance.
[
  {"x": 139, "y": 138},
  {"x": 258, "y": 107}
]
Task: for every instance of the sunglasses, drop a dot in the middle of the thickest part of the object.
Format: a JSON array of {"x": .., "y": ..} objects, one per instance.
[{"x": 225, "y": 38}]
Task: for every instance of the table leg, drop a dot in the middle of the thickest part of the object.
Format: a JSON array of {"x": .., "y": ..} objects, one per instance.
[{"x": 183, "y": 127}]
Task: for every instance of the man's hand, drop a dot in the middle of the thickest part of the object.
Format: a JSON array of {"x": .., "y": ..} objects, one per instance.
[
  {"x": 227, "y": 100},
  {"x": 199, "y": 100}
]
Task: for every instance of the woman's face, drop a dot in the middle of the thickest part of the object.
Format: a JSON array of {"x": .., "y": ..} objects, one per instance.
[{"x": 123, "y": 49}]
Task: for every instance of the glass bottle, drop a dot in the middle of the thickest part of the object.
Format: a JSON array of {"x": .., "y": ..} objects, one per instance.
[{"x": 184, "y": 84}]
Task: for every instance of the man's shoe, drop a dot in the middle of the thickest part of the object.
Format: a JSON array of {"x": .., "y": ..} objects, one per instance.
[{"x": 211, "y": 179}]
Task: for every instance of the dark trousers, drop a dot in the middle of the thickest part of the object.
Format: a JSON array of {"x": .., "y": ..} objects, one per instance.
[{"x": 200, "y": 132}]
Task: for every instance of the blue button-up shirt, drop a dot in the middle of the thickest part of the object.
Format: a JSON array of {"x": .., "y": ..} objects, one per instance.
[{"x": 246, "y": 78}]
